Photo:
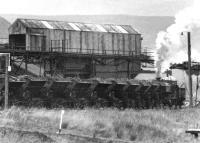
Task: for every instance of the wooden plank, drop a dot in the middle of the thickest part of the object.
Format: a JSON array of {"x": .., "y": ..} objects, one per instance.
[{"x": 194, "y": 132}]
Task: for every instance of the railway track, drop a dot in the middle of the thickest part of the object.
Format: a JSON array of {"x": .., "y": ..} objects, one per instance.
[{"x": 46, "y": 137}]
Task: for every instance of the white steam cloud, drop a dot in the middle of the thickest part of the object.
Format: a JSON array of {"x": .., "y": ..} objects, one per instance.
[{"x": 171, "y": 46}]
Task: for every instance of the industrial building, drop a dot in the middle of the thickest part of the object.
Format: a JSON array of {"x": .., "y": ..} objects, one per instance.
[
  {"x": 79, "y": 49},
  {"x": 81, "y": 65}
]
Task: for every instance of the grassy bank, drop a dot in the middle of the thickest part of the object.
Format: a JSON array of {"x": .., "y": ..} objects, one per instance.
[{"x": 139, "y": 126}]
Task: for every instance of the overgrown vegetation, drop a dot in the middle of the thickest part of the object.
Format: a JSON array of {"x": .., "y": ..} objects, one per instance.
[{"x": 132, "y": 125}]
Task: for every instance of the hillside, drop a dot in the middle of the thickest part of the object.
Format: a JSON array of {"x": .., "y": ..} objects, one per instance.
[
  {"x": 149, "y": 26},
  {"x": 4, "y": 24}
]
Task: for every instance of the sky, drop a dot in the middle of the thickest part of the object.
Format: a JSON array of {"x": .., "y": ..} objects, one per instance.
[{"x": 93, "y": 7}]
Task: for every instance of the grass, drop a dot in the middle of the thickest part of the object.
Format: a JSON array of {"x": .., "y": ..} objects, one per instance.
[{"x": 140, "y": 126}]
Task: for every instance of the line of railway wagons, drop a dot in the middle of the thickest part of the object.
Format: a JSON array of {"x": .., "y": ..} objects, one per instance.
[{"x": 76, "y": 93}]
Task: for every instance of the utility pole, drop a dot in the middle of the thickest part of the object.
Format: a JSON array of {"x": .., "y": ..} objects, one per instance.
[
  {"x": 189, "y": 68},
  {"x": 197, "y": 87},
  {"x": 6, "y": 81}
]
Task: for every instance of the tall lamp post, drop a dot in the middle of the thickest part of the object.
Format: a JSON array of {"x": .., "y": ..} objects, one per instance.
[{"x": 189, "y": 68}]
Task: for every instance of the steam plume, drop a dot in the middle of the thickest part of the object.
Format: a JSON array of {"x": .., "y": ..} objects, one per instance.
[{"x": 171, "y": 46}]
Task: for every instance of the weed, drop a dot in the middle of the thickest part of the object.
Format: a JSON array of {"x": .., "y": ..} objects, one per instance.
[{"x": 134, "y": 125}]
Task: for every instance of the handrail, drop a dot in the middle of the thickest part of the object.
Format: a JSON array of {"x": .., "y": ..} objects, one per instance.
[{"x": 93, "y": 51}]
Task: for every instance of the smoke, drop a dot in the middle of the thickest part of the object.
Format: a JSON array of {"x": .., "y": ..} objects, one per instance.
[{"x": 171, "y": 45}]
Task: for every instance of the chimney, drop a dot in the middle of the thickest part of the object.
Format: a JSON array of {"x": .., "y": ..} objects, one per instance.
[
  {"x": 158, "y": 72},
  {"x": 158, "y": 77}
]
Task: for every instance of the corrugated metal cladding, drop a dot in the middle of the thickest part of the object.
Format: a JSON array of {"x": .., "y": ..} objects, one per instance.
[
  {"x": 33, "y": 23},
  {"x": 68, "y": 37}
]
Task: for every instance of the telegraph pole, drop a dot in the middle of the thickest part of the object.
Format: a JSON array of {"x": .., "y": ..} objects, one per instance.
[
  {"x": 189, "y": 68},
  {"x": 6, "y": 81}
]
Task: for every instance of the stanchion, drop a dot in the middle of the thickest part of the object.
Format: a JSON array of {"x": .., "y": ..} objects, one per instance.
[{"x": 61, "y": 120}]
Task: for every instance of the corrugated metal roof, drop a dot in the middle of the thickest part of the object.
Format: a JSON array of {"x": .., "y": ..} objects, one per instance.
[
  {"x": 47, "y": 25},
  {"x": 76, "y": 26},
  {"x": 73, "y": 25}
]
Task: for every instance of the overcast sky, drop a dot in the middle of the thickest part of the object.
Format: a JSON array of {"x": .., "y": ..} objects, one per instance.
[{"x": 93, "y": 7}]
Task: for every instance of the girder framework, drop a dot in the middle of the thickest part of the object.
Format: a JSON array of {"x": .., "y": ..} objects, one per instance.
[{"x": 54, "y": 59}]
